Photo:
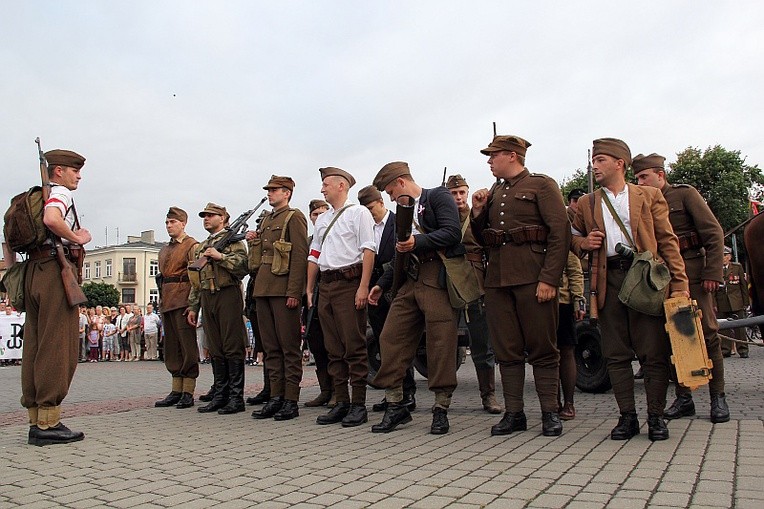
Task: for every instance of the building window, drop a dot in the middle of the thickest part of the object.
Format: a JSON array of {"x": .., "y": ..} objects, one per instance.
[
  {"x": 154, "y": 296},
  {"x": 128, "y": 270},
  {"x": 97, "y": 269},
  {"x": 128, "y": 295},
  {"x": 153, "y": 268},
  {"x": 87, "y": 270},
  {"x": 108, "y": 268}
]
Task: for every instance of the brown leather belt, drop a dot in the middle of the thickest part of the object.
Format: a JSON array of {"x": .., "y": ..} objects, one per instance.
[
  {"x": 474, "y": 257},
  {"x": 175, "y": 279},
  {"x": 348, "y": 273},
  {"x": 41, "y": 253},
  {"x": 531, "y": 234},
  {"x": 618, "y": 263}
]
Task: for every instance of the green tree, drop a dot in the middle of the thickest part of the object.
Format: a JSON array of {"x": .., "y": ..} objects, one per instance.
[
  {"x": 723, "y": 178},
  {"x": 100, "y": 294},
  {"x": 579, "y": 180}
]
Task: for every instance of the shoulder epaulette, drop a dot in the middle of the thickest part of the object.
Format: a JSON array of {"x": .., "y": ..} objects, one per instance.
[{"x": 680, "y": 185}]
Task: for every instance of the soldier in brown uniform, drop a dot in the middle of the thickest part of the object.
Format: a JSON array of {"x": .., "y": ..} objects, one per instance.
[
  {"x": 279, "y": 287},
  {"x": 644, "y": 214},
  {"x": 51, "y": 325},
  {"x": 181, "y": 352},
  {"x": 220, "y": 297},
  {"x": 701, "y": 242},
  {"x": 522, "y": 223},
  {"x": 480, "y": 340},
  {"x": 731, "y": 301}
]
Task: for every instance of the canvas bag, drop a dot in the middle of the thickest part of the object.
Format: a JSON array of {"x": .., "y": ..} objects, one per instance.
[
  {"x": 24, "y": 229},
  {"x": 281, "y": 251},
  {"x": 13, "y": 284}
]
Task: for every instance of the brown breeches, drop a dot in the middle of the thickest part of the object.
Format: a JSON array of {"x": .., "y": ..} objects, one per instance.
[
  {"x": 626, "y": 332},
  {"x": 181, "y": 352},
  {"x": 420, "y": 306},
  {"x": 223, "y": 323},
  {"x": 344, "y": 329},
  {"x": 51, "y": 337},
  {"x": 280, "y": 334}
]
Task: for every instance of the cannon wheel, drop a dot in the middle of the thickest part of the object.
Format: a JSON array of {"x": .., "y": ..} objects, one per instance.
[{"x": 591, "y": 364}]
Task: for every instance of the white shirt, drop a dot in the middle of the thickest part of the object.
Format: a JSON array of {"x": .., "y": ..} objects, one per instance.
[
  {"x": 122, "y": 323},
  {"x": 350, "y": 235},
  {"x": 613, "y": 232},
  {"x": 151, "y": 323},
  {"x": 61, "y": 198},
  {"x": 379, "y": 228}
]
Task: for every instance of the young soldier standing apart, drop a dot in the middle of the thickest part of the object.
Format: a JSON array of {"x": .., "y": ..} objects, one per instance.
[
  {"x": 220, "y": 297},
  {"x": 343, "y": 251},
  {"x": 480, "y": 340},
  {"x": 701, "y": 242},
  {"x": 51, "y": 331},
  {"x": 279, "y": 286},
  {"x": 421, "y": 305},
  {"x": 731, "y": 301},
  {"x": 643, "y": 212},
  {"x": 523, "y": 223},
  {"x": 181, "y": 353}
]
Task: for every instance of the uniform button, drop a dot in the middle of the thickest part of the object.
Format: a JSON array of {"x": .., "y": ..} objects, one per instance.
[
  {"x": 501, "y": 222},
  {"x": 501, "y": 204},
  {"x": 501, "y": 213},
  {"x": 504, "y": 195}
]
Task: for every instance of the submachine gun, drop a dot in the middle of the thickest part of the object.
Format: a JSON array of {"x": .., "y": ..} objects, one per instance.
[
  {"x": 404, "y": 217},
  {"x": 235, "y": 232}
]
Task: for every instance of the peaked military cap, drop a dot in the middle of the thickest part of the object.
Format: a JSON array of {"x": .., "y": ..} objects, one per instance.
[
  {"x": 278, "y": 181},
  {"x": 213, "y": 208},
  {"x": 456, "y": 181},
  {"x": 575, "y": 194},
  {"x": 643, "y": 162},
  {"x": 178, "y": 214},
  {"x": 510, "y": 143},
  {"x": 68, "y": 158}
]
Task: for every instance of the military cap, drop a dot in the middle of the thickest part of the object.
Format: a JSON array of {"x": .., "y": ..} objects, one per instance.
[
  {"x": 727, "y": 250},
  {"x": 643, "y": 162},
  {"x": 390, "y": 172},
  {"x": 277, "y": 181},
  {"x": 331, "y": 171},
  {"x": 612, "y": 147},
  {"x": 213, "y": 208},
  {"x": 68, "y": 158},
  {"x": 317, "y": 204},
  {"x": 510, "y": 143},
  {"x": 456, "y": 181},
  {"x": 178, "y": 214},
  {"x": 575, "y": 194},
  {"x": 368, "y": 194}
]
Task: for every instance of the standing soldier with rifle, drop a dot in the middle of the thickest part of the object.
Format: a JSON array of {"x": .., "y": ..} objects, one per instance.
[
  {"x": 181, "y": 353},
  {"x": 52, "y": 296},
  {"x": 222, "y": 264}
]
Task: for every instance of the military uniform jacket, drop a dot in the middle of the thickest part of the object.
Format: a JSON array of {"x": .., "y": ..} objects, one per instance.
[
  {"x": 528, "y": 199},
  {"x": 174, "y": 259},
  {"x": 438, "y": 218},
  {"x": 689, "y": 213},
  {"x": 474, "y": 250},
  {"x": 385, "y": 250},
  {"x": 271, "y": 228},
  {"x": 219, "y": 274},
  {"x": 650, "y": 229},
  {"x": 733, "y": 293}
]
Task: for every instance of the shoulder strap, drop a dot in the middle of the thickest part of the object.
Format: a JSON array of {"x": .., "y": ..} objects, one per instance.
[
  {"x": 465, "y": 224},
  {"x": 337, "y": 216},
  {"x": 616, "y": 217},
  {"x": 286, "y": 222}
]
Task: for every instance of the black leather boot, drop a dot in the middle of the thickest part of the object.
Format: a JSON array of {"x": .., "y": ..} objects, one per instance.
[
  {"x": 335, "y": 415},
  {"x": 288, "y": 411},
  {"x": 720, "y": 412},
  {"x": 356, "y": 416},
  {"x": 409, "y": 401},
  {"x": 209, "y": 395},
  {"x": 270, "y": 409},
  {"x": 325, "y": 383},
  {"x": 551, "y": 425},
  {"x": 235, "y": 387},
  {"x": 628, "y": 427},
  {"x": 186, "y": 401},
  {"x": 169, "y": 400},
  {"x": 439, "y": 421},
  {"x": 58, "y": 434},
  {"x": 656, "y": 428},
  {"x": 683, "y": 406},
  {"x": 509, "y": 423},
  {"x": 264, "y": 395},
  {"x": 395, "y": 414},
  {"x": 220, "y": 387}
]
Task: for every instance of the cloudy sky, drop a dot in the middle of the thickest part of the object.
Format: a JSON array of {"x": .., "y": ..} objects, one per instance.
[{"x": 185, "y": 102}]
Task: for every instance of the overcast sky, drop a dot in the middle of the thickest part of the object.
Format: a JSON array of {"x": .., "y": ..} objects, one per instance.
[{"x": 185, "y": 102}]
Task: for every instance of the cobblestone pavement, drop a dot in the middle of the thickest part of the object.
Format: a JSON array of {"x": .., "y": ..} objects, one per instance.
[{"x": 135, "y": 455}]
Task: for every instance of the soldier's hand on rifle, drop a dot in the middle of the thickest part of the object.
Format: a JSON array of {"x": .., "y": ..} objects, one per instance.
[
  {"x": 710, "y": 286},
  {"x": 250, "y": 235},
  {"x": 213, "y": 253},
  {"x": 292, "y": 302},
  {"x": 593, "y": 241},
  {"x": 83, "y": 236},
  {"x": 405, "y": 246},
  {"x": 479, "y": 200},
  {"x": 191, "y": 318},
  {"x": 545, "y": 292},
  {"x": 374, "y": 295},
  {"x": 361, "y": 297}
]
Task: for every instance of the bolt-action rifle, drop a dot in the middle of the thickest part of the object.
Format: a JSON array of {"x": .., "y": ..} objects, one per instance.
[
  {"x": 404, "y": 217},
  {"x": 593, "y": 255}
]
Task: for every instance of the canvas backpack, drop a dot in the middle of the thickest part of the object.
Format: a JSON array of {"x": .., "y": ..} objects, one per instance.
[{"x": 24, "y": 229}]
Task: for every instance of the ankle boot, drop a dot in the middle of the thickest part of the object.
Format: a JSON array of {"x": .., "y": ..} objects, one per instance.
[
  {"x": 627, "y": 427},
  {"x": 235, "y": 387},
  {"x": 551, "y": 426},
  {"x": 720, "y": 412},
  {"x": 288, "y": 411},
  {"x": 186, "y": 401},
  {"x": 683, "y": 406},
  {"x": 270, "y": 409},
  {"x": 395, "y": 414},
  {"x": 210, "y": 394},
  {"x": 220, "y": 387},
  {"x": 656, "y": 428},
  {"x": 325, "y": 383},
  {"x": 265, "y": 394},
  {"x": 169, "y": 400},
  {"x": 511, "y": 422},
  {"x": 487, "y": 384}
]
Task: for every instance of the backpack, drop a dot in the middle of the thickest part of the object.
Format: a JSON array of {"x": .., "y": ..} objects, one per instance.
[{"x": 24, "y": 229}]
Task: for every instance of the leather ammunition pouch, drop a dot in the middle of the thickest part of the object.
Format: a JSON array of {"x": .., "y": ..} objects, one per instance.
[
  {"x": 689, "y": 240},
  {"x": 532, "y": 234}
]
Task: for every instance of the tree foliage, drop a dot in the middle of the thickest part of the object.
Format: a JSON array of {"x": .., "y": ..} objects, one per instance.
[
  {"x": 723, "y": 178},
  {"x": 579, "y": 180},
  {"x": 100, "y": 294}
]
